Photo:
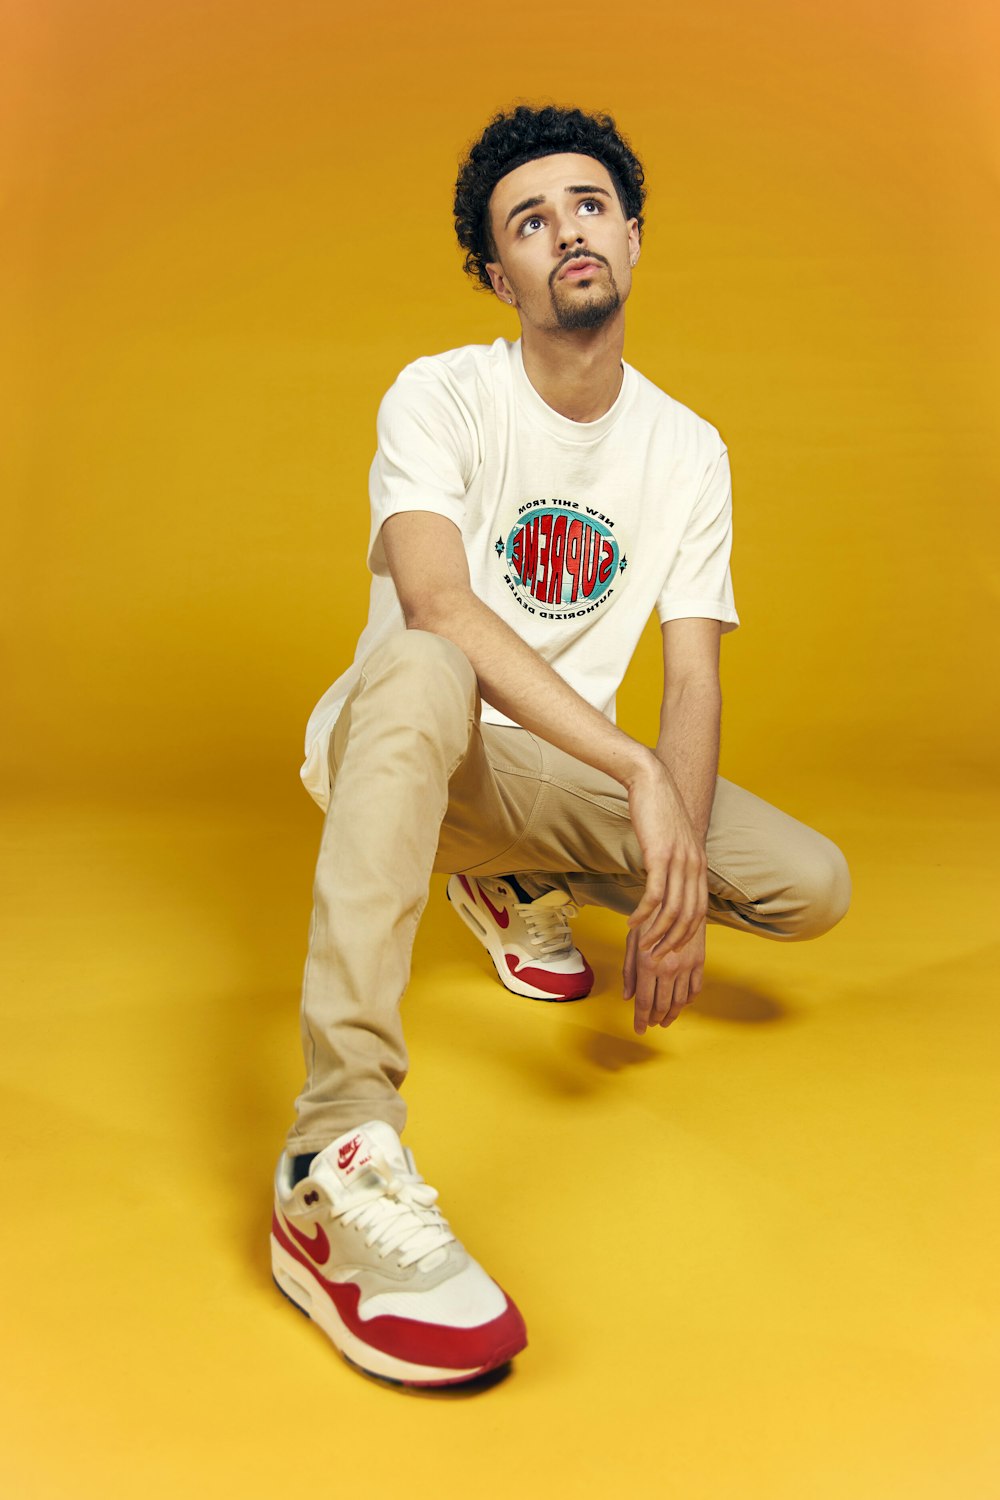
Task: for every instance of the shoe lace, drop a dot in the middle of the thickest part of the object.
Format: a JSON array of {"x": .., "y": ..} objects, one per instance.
[
  {"x": 398, "y": 1214},
  {"x": 547, "y": 921}
]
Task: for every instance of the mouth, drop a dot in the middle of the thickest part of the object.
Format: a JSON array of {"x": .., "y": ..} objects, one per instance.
[{"x": 579, "y": 268}]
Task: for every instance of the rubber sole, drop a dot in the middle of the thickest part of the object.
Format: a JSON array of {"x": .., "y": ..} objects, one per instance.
[{"x": 292, "y": 1280}]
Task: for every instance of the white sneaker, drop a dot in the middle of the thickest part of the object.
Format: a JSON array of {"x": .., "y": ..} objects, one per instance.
[
  {"x": 360, "y": 1247},
  {"x": 529, "y": 942}
]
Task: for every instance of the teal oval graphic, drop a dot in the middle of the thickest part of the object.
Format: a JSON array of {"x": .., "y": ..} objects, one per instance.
[{"x": 561, "y": 559}]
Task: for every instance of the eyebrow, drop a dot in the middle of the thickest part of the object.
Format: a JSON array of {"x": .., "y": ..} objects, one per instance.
[{"x": 537, "y": 202}]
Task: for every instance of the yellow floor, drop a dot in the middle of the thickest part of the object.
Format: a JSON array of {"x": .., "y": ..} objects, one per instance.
[{"x": 756, "y": 1253}]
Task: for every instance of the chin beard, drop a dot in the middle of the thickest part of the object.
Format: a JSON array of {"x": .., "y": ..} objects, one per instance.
[{"x": 587, "y": 313}]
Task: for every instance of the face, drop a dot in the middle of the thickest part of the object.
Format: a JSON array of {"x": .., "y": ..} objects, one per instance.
[{"x": 565, "y": 250}]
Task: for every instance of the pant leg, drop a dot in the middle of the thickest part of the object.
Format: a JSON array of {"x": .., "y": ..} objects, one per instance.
[
  {"x": 400, "y": 735},
  {"x": 768, "y": 873},
  {"x": 412, "y": 783}
]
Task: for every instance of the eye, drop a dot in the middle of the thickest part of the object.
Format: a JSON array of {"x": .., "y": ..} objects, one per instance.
[
  {"x": 525, "y": 227},
  {"x": 591, "y": 203}
]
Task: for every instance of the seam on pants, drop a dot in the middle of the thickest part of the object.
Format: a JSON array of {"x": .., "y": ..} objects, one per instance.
[
  {"x": 545, "y": 780},
  {"x": 504, "y": 770},
  {"x": 471, "y": 721},
  {"x": 363, "y": 682},
  {"x": 737, "y": 885},
  {"x": 595, "y": 799}
]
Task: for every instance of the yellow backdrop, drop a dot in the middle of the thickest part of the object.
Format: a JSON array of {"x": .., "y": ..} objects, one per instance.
[{"x": 228, "y": 226}]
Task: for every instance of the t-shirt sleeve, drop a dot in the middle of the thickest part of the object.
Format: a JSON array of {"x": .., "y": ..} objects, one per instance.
[
  {"x": 699, "y": 582},
  {"x": 424, "y": 458}
]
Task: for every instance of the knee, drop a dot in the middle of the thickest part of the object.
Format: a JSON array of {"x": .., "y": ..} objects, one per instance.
[
  {"x": 424, "y": 669},
  {"x": 824, "y": 890}
]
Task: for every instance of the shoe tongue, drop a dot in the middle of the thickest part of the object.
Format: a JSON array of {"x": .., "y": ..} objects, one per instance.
[
  {"x": 553, "y": 899},
  {"x": 350, "y": 1156}
]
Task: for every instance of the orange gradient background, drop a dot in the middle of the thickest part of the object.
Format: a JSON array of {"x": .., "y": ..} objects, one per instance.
[{"x": 226, "y": 227}]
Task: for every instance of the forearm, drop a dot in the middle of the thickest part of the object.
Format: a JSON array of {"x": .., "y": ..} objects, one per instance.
[
  {"x": 688, "y": 745},
  {"x": 514, "y": 679}
]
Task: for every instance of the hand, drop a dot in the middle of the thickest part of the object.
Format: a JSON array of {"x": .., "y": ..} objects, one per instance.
[
  {"x": 675, "y": 901},
  {"x": 663, "y": 981}
]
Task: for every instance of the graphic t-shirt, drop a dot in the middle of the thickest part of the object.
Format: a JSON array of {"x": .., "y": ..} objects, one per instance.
[{"x": 575, "y": 531}]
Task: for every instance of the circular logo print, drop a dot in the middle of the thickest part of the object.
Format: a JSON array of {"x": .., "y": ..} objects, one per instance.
[{"x": 560, "y": 559}]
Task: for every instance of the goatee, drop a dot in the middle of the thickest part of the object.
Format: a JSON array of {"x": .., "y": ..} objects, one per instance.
[{"x": 588, "y": 314}]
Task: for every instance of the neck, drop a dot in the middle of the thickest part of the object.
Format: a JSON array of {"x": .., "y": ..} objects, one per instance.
[{"x": 578, "y": 374}]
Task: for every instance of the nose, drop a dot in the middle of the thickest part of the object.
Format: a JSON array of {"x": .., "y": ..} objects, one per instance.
[{"x": 570, "y": 233}]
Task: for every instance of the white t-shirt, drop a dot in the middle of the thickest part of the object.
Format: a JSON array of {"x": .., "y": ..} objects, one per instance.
[{"x": 575, "y": 531}]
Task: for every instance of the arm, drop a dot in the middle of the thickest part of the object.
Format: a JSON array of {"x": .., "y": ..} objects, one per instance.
[
  {"x": 427, "y": 561},
  {"x": 663, "y": 982},
  {"x": 691, "y": 716}
]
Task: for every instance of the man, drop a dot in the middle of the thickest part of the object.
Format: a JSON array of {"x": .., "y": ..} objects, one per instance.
[{"x": 532, "y": 503}]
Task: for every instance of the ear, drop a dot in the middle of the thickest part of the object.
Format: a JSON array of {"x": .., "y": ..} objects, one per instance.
[
  {"x": 501, "y": 286},
  {"x": 633, "y": 241}
]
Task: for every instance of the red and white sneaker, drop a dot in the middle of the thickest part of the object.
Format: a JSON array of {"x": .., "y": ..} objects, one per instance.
[
  {"x": 360, "y": 1247},
  {"x": 529, "y": 941}
]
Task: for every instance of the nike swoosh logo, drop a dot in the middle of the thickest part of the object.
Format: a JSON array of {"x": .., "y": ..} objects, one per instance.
[
  {"x": 501, "y": 918},
  {"x": 316, "y": 1246}
]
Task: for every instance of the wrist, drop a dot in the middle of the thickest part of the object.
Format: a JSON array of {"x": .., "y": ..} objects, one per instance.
[{"x": 642, "y": 765}]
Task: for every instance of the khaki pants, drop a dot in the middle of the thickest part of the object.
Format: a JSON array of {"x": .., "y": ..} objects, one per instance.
[{"x": 419, "y": 784}]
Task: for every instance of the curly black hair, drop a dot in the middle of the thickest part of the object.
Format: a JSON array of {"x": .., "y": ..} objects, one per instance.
[{"x": 523, "y": 135}]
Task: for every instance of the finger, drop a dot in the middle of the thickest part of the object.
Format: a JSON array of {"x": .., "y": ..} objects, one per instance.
[
  {"x": 651, "y": 931},
  {"x": 628, "y": 967},
  {"x": 688, "y": 917},
  {"x": 664, "y": 994},
  {"x": 701, "y": 905},
  {"x": 679, "y": 999},
  {"x": 701, "y": 911},
  {"x": 645, "y": 996},
  {"x": 652, "y": 896}
]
